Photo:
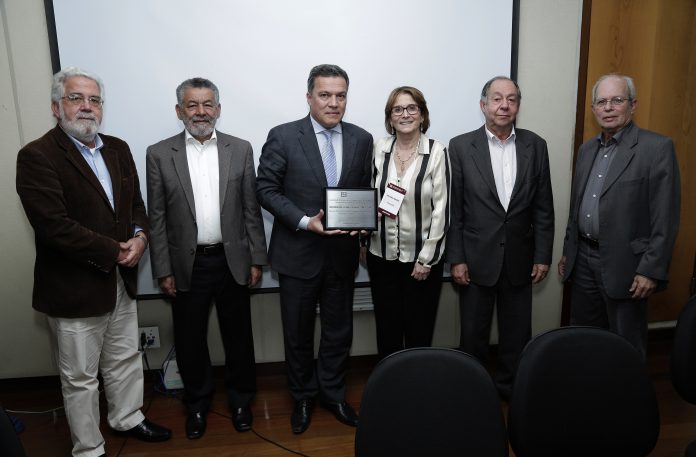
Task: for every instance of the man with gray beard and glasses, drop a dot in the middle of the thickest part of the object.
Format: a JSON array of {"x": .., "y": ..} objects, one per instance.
[
  {"x": 208, "y": 244},
  {"x": 81, "y": 194}
]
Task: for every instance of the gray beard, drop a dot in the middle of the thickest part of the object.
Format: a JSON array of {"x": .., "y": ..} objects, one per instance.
[
  {"x": 84, "y": 130},
  {"x": 200, "y": 131}
]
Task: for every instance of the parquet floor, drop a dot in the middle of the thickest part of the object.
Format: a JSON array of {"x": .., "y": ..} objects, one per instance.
[{"x": 47, "y": 435}]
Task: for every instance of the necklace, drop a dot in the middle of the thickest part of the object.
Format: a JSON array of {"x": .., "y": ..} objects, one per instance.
[{"x": 403, "y": 162}]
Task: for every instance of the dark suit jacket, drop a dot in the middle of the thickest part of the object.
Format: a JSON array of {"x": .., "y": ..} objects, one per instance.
[
  {"x": 638, "y": 210},
  {"x": 173, "y": 213},
  {"x": 76, "y": 230},
  {"x": 291, "y": 182},
  {"x": 482, "y": 234}
]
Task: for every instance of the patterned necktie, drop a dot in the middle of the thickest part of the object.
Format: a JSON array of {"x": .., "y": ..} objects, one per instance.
[{"x": 328, "y": 157}]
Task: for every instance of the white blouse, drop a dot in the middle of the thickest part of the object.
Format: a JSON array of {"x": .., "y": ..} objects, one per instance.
[{"x": 418, "y": 231}]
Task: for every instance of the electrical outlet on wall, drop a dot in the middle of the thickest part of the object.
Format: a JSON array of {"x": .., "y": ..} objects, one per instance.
[{"x": 149, "y": 337}]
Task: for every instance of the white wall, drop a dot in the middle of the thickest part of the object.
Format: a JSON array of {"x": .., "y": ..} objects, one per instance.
[{"x": 547, "y": 73}]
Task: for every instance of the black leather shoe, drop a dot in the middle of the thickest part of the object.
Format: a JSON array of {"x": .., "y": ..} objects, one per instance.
[
  {"x": 195, "y": 425},
  {"x": 150, "y": 432},
  {"x": 301, "y": 415},
  {"x": 242, "y": 418},
  {"x": 343, "y": 412}
]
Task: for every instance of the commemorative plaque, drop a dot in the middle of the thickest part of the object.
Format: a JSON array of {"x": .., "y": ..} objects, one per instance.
[{"x": 350, "y": 209}]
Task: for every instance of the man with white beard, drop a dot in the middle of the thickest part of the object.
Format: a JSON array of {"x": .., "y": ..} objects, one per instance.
[
  {"x": 81, "y": 194},
  {"x": 208, "y": 244}
]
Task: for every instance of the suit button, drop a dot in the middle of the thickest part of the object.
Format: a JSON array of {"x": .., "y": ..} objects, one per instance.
[{"x": 502, "y": 245}]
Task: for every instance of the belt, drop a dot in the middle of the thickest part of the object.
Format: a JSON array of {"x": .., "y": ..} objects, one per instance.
[
  {"x": 209, "y": 249},
  {"x": 592, "y": 243}
]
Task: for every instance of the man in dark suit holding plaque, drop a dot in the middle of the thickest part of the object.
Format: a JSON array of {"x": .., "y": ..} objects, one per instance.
[
  {"x": 299, "y": 160},
  {"x": 501, "y": 235}
]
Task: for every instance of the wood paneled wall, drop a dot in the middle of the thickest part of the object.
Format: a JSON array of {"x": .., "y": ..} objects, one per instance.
[{"x": 654, "y": 42}]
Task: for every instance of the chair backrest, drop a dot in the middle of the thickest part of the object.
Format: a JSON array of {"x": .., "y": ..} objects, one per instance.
[
  {"x": 579, "y": 392},
  {"x": 684, "y": 353},
  {"x": 10, "y": 445},
  {"x": 430, "y": 402}
]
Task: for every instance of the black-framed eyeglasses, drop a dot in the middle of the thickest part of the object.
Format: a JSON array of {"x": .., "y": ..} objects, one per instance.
[
  {"x": 79, "y": 99},
  {"x": 614, "y": 101},
  {"x": 410, "y": 109}
]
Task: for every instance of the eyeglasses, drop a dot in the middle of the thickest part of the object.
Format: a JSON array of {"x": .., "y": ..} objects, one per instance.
[
  {"x": 79, "y": 99},
  {"x": 614, "y": 101},
  {"x": 410, "y": 109}
]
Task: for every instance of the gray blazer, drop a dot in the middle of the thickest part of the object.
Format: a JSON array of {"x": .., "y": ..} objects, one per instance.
[
  {"x": 291, "y": 185},
  {"x": 173, "y": 214},
  {"x": 482, "y": 234},
  {"x": 638, "y": 210}
]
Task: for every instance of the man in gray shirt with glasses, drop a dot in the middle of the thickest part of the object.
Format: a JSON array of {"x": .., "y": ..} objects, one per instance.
[{"x": 623, "y": 219}]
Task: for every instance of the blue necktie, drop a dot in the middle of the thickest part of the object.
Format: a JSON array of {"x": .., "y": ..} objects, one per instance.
[{"x": 328, "y": 157}]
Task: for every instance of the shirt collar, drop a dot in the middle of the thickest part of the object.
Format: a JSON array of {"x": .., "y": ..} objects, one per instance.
[
  {"x": 318, "y": 128},
  {"x": 492, "y": 137},
  {"x": 189, "y": 138},
  {"x": 98, "y": 143},
  {"x": 617, "y": 136}
]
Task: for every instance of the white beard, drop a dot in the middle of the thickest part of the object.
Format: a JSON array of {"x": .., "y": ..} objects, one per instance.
[{"x": 84, "y": 127}]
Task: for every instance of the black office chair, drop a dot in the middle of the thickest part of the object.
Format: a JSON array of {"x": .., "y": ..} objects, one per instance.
[
  {"x": 430, "y": 402},
  {"x": 581, "y": 392},
  {"x": 10, "y": 445},
  {"x": 684, "y": 359}
]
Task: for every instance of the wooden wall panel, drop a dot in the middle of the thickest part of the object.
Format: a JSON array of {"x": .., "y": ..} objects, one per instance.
[{"x": 654, "y": 42}]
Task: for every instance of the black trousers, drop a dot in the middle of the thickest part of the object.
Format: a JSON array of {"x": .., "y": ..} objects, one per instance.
[
  {"x": 298, "y": 303},
  {"x": 514, "y": 307},
  {"x": 405, "y": 309},
  {"x": 590, "y": 304},
  {"x": 213, "y": 282}
]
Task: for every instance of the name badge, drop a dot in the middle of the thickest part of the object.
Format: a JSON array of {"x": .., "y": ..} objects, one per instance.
[{"x": 391, "y": 200}]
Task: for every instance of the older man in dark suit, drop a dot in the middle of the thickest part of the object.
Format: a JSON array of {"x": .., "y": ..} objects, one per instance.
[
  {"x": 299, "y": 160},
  {"x": 501, "y": 235},
  {"x": 208, "y": 243},
  {"x": 81, "y": 193},
  {"x": 624, "y": 217}
]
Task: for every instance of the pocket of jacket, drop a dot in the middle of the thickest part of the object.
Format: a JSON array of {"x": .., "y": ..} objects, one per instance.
[{"x": 639, "y": 245}]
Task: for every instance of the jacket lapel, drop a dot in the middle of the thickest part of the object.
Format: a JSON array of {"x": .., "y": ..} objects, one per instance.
[
  {"x": 114, "y": 166},
  {"x": 582, "y": 172},
  {"x": 182, "y": 170},
  {"x": 482, "y": 158},
  {"x": 523, "y": 155},
  {"x": 310, "y": 147},
  {"x": 349, "y": 146},
  {"x": 224, "y": 164},
  {"x": 75, "y": 157},
  {"x": 624, "y": 155}
]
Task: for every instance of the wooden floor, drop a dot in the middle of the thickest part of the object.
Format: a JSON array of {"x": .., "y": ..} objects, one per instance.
[{"x": 48, "y": 436}]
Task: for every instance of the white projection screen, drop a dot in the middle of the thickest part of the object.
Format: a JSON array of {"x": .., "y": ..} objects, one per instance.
[{"x": 259, "y": 54}]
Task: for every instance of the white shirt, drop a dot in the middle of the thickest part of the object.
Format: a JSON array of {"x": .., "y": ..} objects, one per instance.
[
  {"x": 205, "y": 179},
  {"x": 504, "y": 163},
  {"x": 337, "y": 142},
  {"x": 418, "y": 232}
]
